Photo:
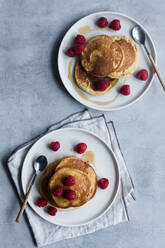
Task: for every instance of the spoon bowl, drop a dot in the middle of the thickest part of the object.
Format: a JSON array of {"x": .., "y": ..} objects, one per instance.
[
  {"x": 138, "y": 35},
  {"x": 40, "y": 163}
]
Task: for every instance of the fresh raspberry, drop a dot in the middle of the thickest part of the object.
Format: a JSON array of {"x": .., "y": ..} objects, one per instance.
[
  {"x": 55, "y": 146},
  {"x": 78, "y": 48},
  {"x": 101, "y": 85},
  {"x": 102, "y": 22},
  {"x": 41, "y": 202},
  {"x": 125, "y": 90},
  {"x": 103, "y": 183},
  {"x": 142, "y": 75},
  {"x": 52, "y": 211},
  {"x": 80, "y": 39},
  {"x": 115, "y": 25},
  {"x": 58, "y": 191},
  {"x": 69, "y": 181},
  {"x": 81, "y": 148},
  {"x": 70, "y": 194},
  {"x": 71, "y": 52}
]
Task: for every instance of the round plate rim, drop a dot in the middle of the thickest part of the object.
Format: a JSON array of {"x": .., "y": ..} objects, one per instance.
[
  {"x": 115, "y": 193},
  {"x": 102, "y": 108}
]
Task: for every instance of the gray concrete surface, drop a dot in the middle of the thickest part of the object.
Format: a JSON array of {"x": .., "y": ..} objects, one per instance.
[{"x": 32, "y": 97}]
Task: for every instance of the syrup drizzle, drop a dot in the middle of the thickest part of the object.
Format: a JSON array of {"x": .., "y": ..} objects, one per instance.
[
  {"x": 86, "y": 30},
  {"x": 89, "y": 157}
]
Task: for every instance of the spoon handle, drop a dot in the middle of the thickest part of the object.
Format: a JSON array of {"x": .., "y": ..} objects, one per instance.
[
  {"x": 26, "y": 198},
  {"x": 157, "y": 72},
  {"x": 24, "y": 204},
  {"x": 154, "y": 65}
]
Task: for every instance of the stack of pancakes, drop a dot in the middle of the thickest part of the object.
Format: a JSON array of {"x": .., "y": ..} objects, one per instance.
[
  {"x": 85, "y": 186},
  {"x": 107, "y": 58}
]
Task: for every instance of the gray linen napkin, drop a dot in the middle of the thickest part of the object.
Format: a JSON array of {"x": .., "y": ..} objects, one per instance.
[{"x": 47, "y": 233}]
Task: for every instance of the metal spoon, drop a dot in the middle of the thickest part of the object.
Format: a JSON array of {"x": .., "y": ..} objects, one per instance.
[
  {"x": 139, "y": 36},
  {"x": 39, "y": 165}
]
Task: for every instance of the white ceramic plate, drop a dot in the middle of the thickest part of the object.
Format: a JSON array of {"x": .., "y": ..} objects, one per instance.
[
  {"x": 138, "y": 88},
  {"x": 106, "y": 166}
]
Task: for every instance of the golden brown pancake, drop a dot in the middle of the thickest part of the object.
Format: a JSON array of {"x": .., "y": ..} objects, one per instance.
[
  {"x": 101, "y": 56},
  {"x": 130, "y": 61},
  {"x": 78, "y": 163},
  {"x": 87, "y": 81},
  {"x": 82, "y": 187}
]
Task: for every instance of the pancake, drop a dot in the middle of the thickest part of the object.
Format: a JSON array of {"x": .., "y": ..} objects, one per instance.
[
  {"x": 131, "y": 57},
  {"x": 82, "y": 187},
  {"x": 87, "y": 81},
  {"x": 86, "y": 173},
  {"x": 78, "y": 163},
  {"x": 101, "y": 56}
]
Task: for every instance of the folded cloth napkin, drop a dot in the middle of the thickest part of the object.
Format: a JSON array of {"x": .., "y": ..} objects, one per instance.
[{"x": 47, "y": 233}]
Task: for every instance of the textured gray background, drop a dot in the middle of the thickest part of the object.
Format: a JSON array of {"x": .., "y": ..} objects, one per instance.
[{"x": 32, "y": 97}]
